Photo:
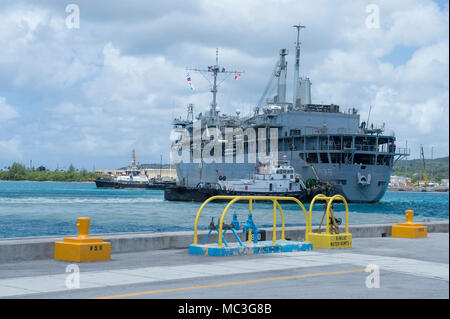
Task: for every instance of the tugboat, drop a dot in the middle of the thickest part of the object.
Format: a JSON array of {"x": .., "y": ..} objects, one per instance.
[
  {"x": 131, "y": 178},
  {"x": 273, "y": 180},
  {"x": 270, "y": 180}
]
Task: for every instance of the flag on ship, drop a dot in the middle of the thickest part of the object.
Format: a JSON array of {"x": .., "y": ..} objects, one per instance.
[
  {"x": 189, "y": 80},
  {"x": 237, "y": 75}
]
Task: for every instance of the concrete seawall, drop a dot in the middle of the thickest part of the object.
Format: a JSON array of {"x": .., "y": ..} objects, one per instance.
[{"x": 23, "y": 249}]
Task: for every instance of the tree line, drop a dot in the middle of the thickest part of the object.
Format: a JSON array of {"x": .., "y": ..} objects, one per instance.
[
  {"x": 436, "y": 169},
  {"x": 18, "y": 172}
]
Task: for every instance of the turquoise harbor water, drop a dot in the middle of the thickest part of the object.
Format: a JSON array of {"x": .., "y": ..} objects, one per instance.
[{"x": 48, "y": 209}]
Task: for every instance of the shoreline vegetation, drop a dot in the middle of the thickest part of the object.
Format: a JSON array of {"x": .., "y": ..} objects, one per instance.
[
  {"x": 437, "y": 169},
  {"x": 18, "y": 172}
]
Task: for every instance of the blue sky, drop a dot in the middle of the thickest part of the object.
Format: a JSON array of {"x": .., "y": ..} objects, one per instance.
[{"x": 88, "y": 96}]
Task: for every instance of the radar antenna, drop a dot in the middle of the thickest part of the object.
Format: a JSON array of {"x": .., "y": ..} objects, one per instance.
[{"x": 215, "y": 69}]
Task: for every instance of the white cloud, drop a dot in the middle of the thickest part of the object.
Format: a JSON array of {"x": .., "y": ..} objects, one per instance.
[
  {"x": 7, "y": 112},
  {"x": 11, "y": 149},
  {"x": 116, "y": 82}
]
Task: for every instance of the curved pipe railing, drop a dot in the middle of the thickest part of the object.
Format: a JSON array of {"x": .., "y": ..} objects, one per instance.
[
  {"x": 329, "y": 200},
  {"x": 234, "y": 199}
]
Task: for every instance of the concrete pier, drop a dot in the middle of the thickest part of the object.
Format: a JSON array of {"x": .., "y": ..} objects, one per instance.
[
  {"x": 23, "y": 249},
  {"x": 375, "y": 267}
]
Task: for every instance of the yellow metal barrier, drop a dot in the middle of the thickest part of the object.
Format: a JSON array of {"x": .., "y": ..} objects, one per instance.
[
  {"x": 234, "y": 199},
  {"x": 328, "y": 239}
]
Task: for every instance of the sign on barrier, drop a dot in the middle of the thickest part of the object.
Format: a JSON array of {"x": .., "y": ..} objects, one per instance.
[{"x": 261, "y": 236}]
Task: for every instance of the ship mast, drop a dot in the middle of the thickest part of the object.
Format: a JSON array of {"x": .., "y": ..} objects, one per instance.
[
  {"x": 215, "y": 69},
  {"x": 297, "y": 63},
  {"x": 133, "y": 161}
]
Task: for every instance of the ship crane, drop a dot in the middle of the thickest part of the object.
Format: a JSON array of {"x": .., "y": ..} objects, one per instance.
[
  {"x": 268, "y": 87},
  {"x": 279, "y": 72}
]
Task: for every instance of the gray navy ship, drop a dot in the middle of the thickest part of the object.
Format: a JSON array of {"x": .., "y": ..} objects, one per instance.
[{"x": 323, "y": 142}]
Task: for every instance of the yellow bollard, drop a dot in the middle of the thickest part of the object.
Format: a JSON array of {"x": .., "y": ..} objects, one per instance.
[
  {"x": 409, "y": 216},
  {"x": 83, "y": 247},
  {"x": 409, "y": 229},
  {"x": 83, "y": 227}
]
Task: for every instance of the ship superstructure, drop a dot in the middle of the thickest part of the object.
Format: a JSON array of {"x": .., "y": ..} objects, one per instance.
[{"x": 321, "y": 141}]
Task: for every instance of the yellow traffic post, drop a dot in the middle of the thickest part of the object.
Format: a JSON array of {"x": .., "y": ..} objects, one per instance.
[
  {"x": 282, "y": 222},
  {"x": 250, "y": 209},
  {"x": 329, "y": 239},
  {"x": 82, "y": 248},
  {"x": 249, "y": 239},
  {"x": 274, "y": 235},
  {"x": 409, "y": 229}
]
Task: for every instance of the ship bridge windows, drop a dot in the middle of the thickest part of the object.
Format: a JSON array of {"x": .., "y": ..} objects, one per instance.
[
  {"x": 368, "y": 159},
  {"x": 384, "y": 160},
  {"x": 323, "y": 157},
  {"x": 386, "y": 145},
  {"x": 365, "y": 143},
  {"x": 311, "y": 143},
  {"x": 323, "y": 143},
  {"x": 335, "y": 158},
  {"x": 312, "y": 158},
  {"x": 336, "y": 143},
  {"x": 347, "y": 141}
]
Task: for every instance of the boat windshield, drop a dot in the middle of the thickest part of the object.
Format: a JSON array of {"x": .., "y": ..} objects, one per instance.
[{"x": 132, "y": 173}]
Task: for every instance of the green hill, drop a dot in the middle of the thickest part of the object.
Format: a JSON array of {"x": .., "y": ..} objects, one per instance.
[{"x": 437, "y": 169}]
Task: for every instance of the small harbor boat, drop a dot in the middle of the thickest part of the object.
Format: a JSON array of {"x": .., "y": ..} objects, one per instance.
[
  {"x": 270, "y": 179},
  {"x": 131, "y": 178}
]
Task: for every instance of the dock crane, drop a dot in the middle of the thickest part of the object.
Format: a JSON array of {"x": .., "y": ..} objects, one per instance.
[{"x": 425, "y": 177}]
